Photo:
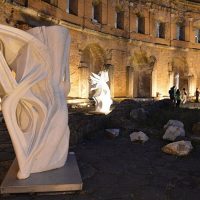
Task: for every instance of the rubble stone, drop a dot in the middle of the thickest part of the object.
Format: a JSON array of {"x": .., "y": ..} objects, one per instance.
[
  {"x": 173, "y": 129},
  {"x": 139, "y": 137},
  {"x": 174, "y": 123},
  {"x": 173, "y": 132},
  {"x": 180, "y": 148}
]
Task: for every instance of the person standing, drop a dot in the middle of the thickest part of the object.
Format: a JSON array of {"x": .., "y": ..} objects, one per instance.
[
  {"x": 172, "y": 94},
  {"x": 184, "y": 96},
  {"x": 178, "y": 98},
  {"x": 197, "y": 95}
]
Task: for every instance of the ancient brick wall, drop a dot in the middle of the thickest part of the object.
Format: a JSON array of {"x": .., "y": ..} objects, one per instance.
[{"x": 139, "y": 64}]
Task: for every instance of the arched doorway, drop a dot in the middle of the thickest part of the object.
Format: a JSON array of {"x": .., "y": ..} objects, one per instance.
[
  {"x": 93, "y": 59},
  {"x": 143, "y": 74},
  {"x": 180, "y": 67}
]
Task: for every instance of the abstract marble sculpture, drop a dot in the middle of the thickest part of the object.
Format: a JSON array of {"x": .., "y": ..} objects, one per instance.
[
  {"x": 33, "y": 104},
  {"x": 102, "y": 95}
]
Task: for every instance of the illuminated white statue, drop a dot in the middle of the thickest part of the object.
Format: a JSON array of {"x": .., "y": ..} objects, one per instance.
[
  {"x": 102, "y": 95},
  {"x": 33, "y": 104},
  {"x": 176, "y": 81}
]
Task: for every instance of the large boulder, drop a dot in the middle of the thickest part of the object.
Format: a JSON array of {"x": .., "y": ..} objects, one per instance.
[
  {"x": 174, "y": 123},
  {"x": 173, "y": 132},
  {"x": 139, "y": 114},
  {"x": 180, "y": 148},
  {"x": 173, "y": 129},
  {"x": 139, "y": 137}
]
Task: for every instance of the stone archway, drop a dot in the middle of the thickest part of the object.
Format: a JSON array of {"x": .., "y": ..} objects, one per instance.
[
  {"x": 180, "y": 67},
  {"x": 93, "y": 59},
  {"x": 144, "y": 74}
]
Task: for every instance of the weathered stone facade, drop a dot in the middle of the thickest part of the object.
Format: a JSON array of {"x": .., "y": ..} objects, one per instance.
[{"x": 142, "y": 62}]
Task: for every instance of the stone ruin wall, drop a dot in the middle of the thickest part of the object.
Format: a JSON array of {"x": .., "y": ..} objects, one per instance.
[
  {"x": 124, "y": 57},
  {"x": 117, "y": 48},
  {"x": 120, "y": 61}
]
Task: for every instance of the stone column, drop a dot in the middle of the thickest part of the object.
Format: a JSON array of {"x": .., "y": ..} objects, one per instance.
[
  {"x": 83, "y": 80},
  {"x": 154, "y": 83},
  {"x": 171, "y": 79},
  {"x": 147, "y": 25},
  {"x": 176, "y": 81},
  {"x": 88, "y": 8},
  {"x": 173, "y": 27},
  {"x": 191, "y": 85},
  {"x": 132, "y": 21},
  {"x": 187, "y": 31},
  {"x": 191, "y": 31},
  {"x": 111, "y": 79},
  {"x": 151, "y": 23},
  {"x": 63, "y": 5},
  {"x": 135, "y": 83},
  {"x": 81, "y": 8},
  {"x": 111, "y": 14},
  {"x": 129, "y": 81},
  {"x": 104, "y": 18}
]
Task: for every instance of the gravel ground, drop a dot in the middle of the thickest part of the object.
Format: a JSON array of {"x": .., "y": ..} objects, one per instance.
[{"x": 115, "y": 169}]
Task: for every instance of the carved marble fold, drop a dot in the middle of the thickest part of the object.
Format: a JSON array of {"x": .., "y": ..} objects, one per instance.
[{"x": 34, "y": 102}]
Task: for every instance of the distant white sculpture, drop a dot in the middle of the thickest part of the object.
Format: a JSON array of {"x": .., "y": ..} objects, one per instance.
[
  {"x": 102, "y": 95},
  {"x": 176, "y": 81},
  {"x": 34, "y": 105}
]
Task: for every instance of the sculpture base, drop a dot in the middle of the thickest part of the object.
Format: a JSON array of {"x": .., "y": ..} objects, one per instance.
[{"x": 65, "y": 179}]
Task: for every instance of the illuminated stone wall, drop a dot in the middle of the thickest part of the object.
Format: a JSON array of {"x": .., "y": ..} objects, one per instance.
[{"x": 140, "y": 65}]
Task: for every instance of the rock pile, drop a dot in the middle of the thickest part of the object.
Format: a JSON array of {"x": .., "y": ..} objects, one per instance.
[
  {"x": 139, "y": 114},
  {"x": 174, "y": 129}
]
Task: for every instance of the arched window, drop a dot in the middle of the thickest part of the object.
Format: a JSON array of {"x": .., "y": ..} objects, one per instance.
[
  {"x": 97, "y": 12},
  {"x": 119, "y": 21},
  {"x": 180, "y": 32},
  {"x": 197, "y": 35},
  {"x": 160, "y": 29},
  {"x": 72, "y": 7},
  {"x": 140, "y": 24}
]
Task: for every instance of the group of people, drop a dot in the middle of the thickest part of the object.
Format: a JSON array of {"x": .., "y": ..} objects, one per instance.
[{"x": 178, "y": 97}]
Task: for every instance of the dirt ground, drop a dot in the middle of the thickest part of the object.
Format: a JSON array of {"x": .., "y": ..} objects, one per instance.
[{"x": 116, "y": 169}]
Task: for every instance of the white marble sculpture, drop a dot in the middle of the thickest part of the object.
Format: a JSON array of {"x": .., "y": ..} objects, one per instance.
[
  {"x": 33, "y": 104},
  {"x": 102, "y": 95}
]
